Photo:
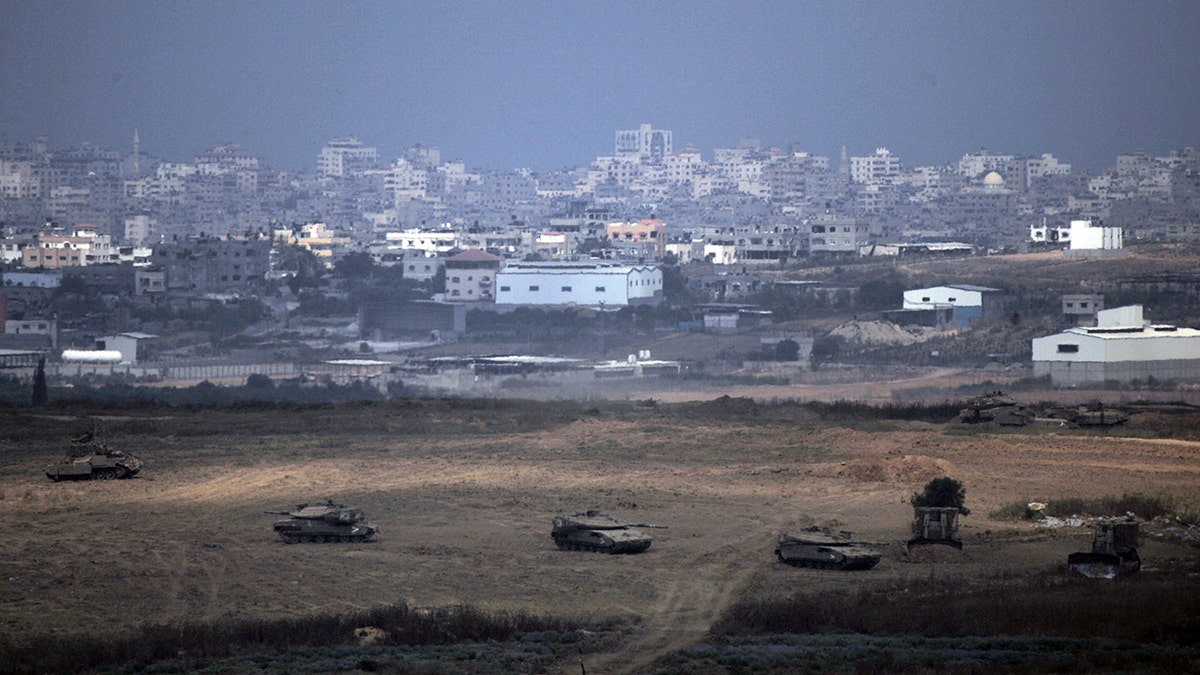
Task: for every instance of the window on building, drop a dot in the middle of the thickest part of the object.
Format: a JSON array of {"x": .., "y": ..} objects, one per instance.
[
  {"x": 953, "y": 299},
  {"x": 1068, "y": 349},
  {"x": 535, "y": 288},
  {"x": 599, "y": 289},
  {"x": 566, "y": 289},
  {"x": 504, "y": 289},
  {"x": 925, "y": 299},
  {"x": 454, "y": 280}
]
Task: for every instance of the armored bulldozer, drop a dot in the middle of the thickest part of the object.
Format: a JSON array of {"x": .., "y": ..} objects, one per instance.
[
  {"x": 1114, "y": 550},
  {"x": 600, "y": 533},
  {"x": 328, "y": 522},
  {"x": 824, "y": 548},
  {"x": 89, "y": 459},
  {"x": 934, "y": 525}
]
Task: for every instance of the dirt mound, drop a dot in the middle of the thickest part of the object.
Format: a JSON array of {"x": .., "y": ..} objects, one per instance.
[
  {"x": 873, "y": 333},
  {"x": 904, "y": 469},
  {"x": 934, "y": 553}
]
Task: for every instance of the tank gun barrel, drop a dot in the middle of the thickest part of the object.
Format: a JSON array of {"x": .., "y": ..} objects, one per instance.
[
  {"x": 277, "y": 513},
  {"x": 649, "y": 526}
]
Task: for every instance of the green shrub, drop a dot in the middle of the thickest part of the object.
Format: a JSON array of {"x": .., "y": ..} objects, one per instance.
[{"x": 944, "y": 492}]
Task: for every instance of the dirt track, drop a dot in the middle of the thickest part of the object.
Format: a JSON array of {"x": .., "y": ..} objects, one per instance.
[{"x": 465, "y": 516}]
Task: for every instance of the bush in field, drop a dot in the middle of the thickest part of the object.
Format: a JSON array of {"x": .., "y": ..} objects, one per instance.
[
  {"x": 1146, "y": 507},
  {"x": 942, "y": 492}
]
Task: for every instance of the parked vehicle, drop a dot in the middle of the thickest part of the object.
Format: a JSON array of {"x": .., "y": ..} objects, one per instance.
[
  {"x": 328, "y": 522},
  {"x": 1114, "y": 550},
  {"x": 824, "y": 548},
  {"x": 600, "y": 533}
]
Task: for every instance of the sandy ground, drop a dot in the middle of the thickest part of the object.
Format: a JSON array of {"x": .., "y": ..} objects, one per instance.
[{"x": 465, "y": 517}]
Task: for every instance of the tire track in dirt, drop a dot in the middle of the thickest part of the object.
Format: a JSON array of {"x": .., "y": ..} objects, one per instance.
[{"x": 686, "y": 609}]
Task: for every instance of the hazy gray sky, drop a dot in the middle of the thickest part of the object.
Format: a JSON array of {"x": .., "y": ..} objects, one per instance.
[{"x": 544, "y": 85}]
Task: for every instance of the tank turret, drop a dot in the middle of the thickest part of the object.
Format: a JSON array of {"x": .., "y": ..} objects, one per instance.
[
  {"x": 328, "y": 522},
  {"x": 823, "y": 548},
  {"x": 600, "y": 533}
]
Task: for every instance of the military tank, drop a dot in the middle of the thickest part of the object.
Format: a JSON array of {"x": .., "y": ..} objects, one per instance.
[
  {"x": 823, "y": 548},
  {"x": 996, "y": 408},
  {"x": 600, "y": 533},
  {"x": 328, "y": 522},
  {"x": 90, "y": 460},
  {"x": 1090, "y": 415}
]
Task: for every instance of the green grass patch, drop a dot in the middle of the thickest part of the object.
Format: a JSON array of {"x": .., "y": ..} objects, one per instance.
[
  {"x": 191, "y": 645},
  {"x": 1157, "y": 608},
  {"x": 1146, "y": 507}
]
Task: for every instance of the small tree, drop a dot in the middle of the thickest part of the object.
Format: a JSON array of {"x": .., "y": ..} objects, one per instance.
[
  {"x": 259, "y": 381},
  {"x": 787, "y": 350},
  {"x": 41, "y": 393},
  {"x": 944, "y": 492}
]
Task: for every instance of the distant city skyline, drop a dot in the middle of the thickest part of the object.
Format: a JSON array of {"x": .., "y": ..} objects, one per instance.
[{"x": 544, "y": 85}]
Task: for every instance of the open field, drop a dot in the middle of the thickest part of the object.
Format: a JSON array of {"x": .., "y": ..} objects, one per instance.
[{"x": 464, "y": 492}]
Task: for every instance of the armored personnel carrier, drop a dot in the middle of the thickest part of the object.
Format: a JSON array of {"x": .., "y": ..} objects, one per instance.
[
  {"x": 600, "y": 533},
  {"x": 1114, "y": 550},
  {"x": 90, "y": 460},
  {"x": 328, "y": 522},
  {"x": 823, "y": 548}
]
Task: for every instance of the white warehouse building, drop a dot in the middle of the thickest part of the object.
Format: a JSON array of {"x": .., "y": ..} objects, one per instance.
[
  {"x": 969, "y": 302},
  {"x": 587, "y": 283},
  {"x": 1122, "y": 347}
]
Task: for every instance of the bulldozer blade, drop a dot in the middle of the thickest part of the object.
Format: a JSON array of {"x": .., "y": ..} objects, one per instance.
[
  {"x": 1102, "y": 565},
  {"x": 922, "y": 541}
]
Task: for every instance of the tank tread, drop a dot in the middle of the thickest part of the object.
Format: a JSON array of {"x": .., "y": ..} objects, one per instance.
[
  {"x": 579, "y": 546},
  {"x": 325, "y": 539},
  {"x": 864, "y": 563}
]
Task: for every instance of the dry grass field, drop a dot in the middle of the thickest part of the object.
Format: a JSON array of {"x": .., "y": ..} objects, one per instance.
[{"x": 464, "y": 492}]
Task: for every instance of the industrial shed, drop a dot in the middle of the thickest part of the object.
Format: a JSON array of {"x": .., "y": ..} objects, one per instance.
[
  {"x": 970, "y": 303},
  {"x": 1122, "y": 348}
]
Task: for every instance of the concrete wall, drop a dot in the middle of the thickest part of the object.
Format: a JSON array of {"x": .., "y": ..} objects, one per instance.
[{"x": 1070, "y": 374}]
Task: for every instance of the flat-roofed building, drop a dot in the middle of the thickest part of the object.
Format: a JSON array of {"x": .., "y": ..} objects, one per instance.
[
  {"x": 1122, "y": 347},
  {"x": 590, "y": 283}
]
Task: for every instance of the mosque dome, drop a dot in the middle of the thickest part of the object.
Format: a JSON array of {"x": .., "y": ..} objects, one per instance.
[{"x": 993, "y": 180}]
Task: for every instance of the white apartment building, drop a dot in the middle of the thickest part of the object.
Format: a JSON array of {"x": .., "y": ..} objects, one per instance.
[
  {"x": 18, "y": 180},
  {"x": 406, "y": 182},
  {"x": 345, "y": 156},
  {"x": 971, "y": 165},
  {"x": 1080, "y": 235},
  {"x": 225, "y": 159},
  {"x": 426, "y": 242},
  {"x": 652, "y": 144},
  {"x": 141, "y": 229},
  {"x": 881, "y": 168},
  {"x": 683, "y": 166},
  {"x": 588, "y": 283}
]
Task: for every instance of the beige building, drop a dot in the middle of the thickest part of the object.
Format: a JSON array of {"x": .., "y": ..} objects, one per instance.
[{"x": 54, "y": 249}]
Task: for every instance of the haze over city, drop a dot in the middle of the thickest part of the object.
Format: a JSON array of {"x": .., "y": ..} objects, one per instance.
[{"x": 543, "y": 85}]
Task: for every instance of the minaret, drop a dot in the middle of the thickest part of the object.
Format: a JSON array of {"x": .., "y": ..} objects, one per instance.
[
  {"x": 137, "y": 154},
  {"x": 844, "y": 167}
]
